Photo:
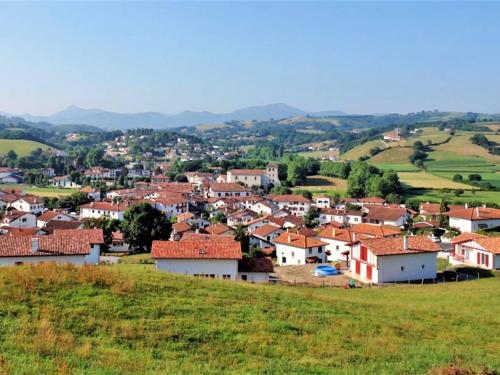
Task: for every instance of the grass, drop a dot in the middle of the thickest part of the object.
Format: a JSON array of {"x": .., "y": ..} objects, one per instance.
[
  {"x": 323, "y": 185},
  {"x": 128, "y": 319},
  {"x": 22, "y": 147},
  {"x": 363, "y": 150},
  {"x": 491, "y": 177},
  {"x": 430, "y": 181},
  {"x": 41, "y": 191},
  {"x": 435, "y": 195}
]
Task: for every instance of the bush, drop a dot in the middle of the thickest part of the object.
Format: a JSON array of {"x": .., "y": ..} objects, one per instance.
[
  {"x": 475, "y": 177},
  {"x": 458, "y": 177}
]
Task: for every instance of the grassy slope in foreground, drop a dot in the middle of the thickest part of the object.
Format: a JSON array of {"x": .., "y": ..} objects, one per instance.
[
  {"x": 22, "y": 147},
  {"x": 131, "y": 319}
]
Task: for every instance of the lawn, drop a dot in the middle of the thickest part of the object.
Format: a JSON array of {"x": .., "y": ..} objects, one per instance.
[
  {"x": 468, "y": 196},
  {"x": 323, "y": 185},
  {"x": 491, "y": 177},
  {"x": 393, "y": 155},
  {"x": 41, "y": 191},
  {"x": 129, "y": 319},
  {"x": 430, "y": 181},
  {"x": 22, "y": 147}
]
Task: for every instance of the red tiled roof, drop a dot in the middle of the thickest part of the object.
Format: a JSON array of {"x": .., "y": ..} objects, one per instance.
[
  {"x": 248, "y": 172},
  {"x": 53, "y": 225},
  {"x": 491, "y": 244},
  {"x": 217, "y": 229},
  {"x": 95, "y": 235},
  {"x": 49, "y": 215},
  {"x": 475, "y": 213},
  {"x": 385, "y": 213},
  {"x": 230, "y": 187},
  {"x": 464, "y": 237},
  {"x": 31, "y": 199},
  {"x": 88, "y": 189},
  {"x": 9, "y": 198},
  {"x": 205, "y": 237},
  {"x": 265, "y": 230},
  {"x": 430, "y": 208},
  {"x": 298, "y": 240},
  {"x": 209, "y": 249},
  {"x": 262, "y": 264},
  {"x": 181, "y": 227},
  {"x": 117, "y": 235},
  {"x": 13, "y": 246},
  {"x": 309, "y": 232},
  {"x": 14, "y": 231},
  {"x": 288, "y": 198},
  {"x": 394, "y": 245},
  {"x": 375, "y": 230},
  {"x": 14, "y": 214},
  {"x": 373, "y": 200},
  {"x": 106, "y": 206},
  {"x": 184, "y": 216}
]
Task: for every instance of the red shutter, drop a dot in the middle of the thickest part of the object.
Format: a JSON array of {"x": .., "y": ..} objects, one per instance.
[
  {"x": 478, "y": 258},
  {"x": 358, "y": 267},
  {"x": 369, "y": 272},
  {"x": 364, "y": 253},
  {"x": 486, "y": 260}
]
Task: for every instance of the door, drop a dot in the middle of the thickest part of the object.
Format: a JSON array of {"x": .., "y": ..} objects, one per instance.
[
  {"x": 369, "y": 272},
  {"x": 358, "y": 267},
  {"x": 486, "y": 260}
]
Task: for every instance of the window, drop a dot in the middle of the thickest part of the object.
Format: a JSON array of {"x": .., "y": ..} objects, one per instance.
[
  {"x": 293, "y": 254},
  {"x": 402, "y": 268},
  {"x": 310, "y": 251},
  {"x": 19, "y": 263},
  {"x": 283, "y": 260},
  {"x": 244, "y": 277},
  {"x": 226, "y": 277},
  {"x": 423, "y": 266},
  {"x": 337, "y": 247},
  {"x": 23, "y": 220},
  {"x": 320, "y": 249},
  {"x": 363, "y": 253}
]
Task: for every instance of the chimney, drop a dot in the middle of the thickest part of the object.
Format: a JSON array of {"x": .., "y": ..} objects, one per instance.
[
  {"x": 405, "y": 243},
  {"x": 477, "y": 211},
  {"x": 333, "y": 233},
  {"x": 466, "y": 206},
  {"x": 34, "y": 244},
  {"x": 484, "y": 206},
  {"x": 289, "y": 238}
]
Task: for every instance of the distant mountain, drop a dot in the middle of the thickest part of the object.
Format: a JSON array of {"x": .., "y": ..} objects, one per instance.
[{"x": 113, "y": 120}]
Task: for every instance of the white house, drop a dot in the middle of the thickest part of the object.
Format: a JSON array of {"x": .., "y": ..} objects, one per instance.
[
  {"x": 227, "y": 190},
  {"x": 474, "y": 218},
  {"x": 171, "y": 205},
  {"x": 48, "y": 216},
  {"x": 265, "y": 235},
  {"x": 339, "y": 243},
  {"x": 240, "y": 217},
  {"x": 208, "y": 258},
  {"x": 91, "y": 192},
  {"x": 476, "y": 250},
  {"x": 394, "y": 259},
  {"x": 322, "y": 201},
  {"x": 65, "y": 182},
  {"x": 296, "y": 204},
  {"x": 29, "y": 203},
  {"x": 94, "y": 239},
  {"x": 18, "y": 250},
  {"x": 10, "y": 176},
  {"x": 255, "y": 177},
  {"x": 18, "y": 219},
  {"x": 382, "y": 215},
  {"x": 296, "y": 249},
  {"x": 255, "y": 270},
  {"x": 103, "y": 209},
  {"x": 332, "y": 215}
]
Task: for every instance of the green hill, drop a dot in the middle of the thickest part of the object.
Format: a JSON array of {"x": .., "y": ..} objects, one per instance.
[
  {"x": 22, "y": 147},
  {"x": 128, "y": 319}
]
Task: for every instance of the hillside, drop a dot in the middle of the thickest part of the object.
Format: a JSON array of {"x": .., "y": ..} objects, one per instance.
[
  {"x": 22, "y": 147},
  {"x": 130, "y": 319}
]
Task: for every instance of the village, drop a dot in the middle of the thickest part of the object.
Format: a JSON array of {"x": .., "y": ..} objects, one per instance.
[{"x": 228, "y": 226}]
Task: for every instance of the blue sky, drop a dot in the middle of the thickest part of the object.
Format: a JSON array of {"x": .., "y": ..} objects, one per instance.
[{"x": 355, "y": 57}]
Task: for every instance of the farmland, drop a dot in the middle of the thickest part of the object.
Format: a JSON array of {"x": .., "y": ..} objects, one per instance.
[
  {"x": 323, "y": 185},
  {"x": 40, "y": 191},
  {"x": 127, "y": 319},
  {"x": 22, "y": 147},
  {"x": 430, "y": 181}
]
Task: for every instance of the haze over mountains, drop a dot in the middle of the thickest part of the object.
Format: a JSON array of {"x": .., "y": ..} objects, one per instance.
[{"x": 114, "y": 120}]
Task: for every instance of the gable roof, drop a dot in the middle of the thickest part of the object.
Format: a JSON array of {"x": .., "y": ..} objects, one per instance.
[
  {"x": 298, "y": 240},
  {"x": 181, "y": 227},
  {"x": 230, "y": 187},
  {"x": 18, "y": 246},
  {"x": 385, "y": 213},
  {"x": 95, "y": 235},
  {"x": 284, "y": 198},
  {"x": 14, "y": 214},
  {"x": 106, "y": 206},
  {"x": 466, "y": 236},
  {"x": 53, "y": 225},
  {"x": 217, "y": 228},
  {"x": 208, "y": 249},
  {"x": 265, "y": 230},
  {"x": 375, "y": 230},
  {"x": 475, "y": 213},
  {"x": 491, "y": 244},
  {"x": 247, "y": 172},
  {"x": 394, "y": 245}
]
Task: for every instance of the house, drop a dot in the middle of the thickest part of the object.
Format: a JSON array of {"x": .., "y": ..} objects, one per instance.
[
  {"x": 179, "y": 229},
  {"x": 49, "y": 172},
  {"x": 219, "y": 229},
  {"x": 373, "y": 230},
  {"x": 476, "y": 250},
  {"x": 10, "y": 176},
  {"x": 298, "y": 249},
  {"x": 172, "y": 205},
  {"x": 255, "y": 270},
  {"x": 94, "y": 239},
  {"x": 53, "y": 225},
  {"x": 18, "y": 219},
  {"x": 394, "y": 259},
  {"x": 29, "y": 203},
  {"x": 160, "y": 179},
  {"x": 339, "y": 242},
  {"x": 383, "y": 215},
  {"x": 296, "y": 204},
  {"x": 203, "y": 258},
  {"x": 255, "y": 177},
  {"x": 65, "y": 182},
  {"x": 103, "y": 209},
  {"x": 240, "y": 217},
  {"x": 332, "y": 215},
  {"x": 48, "y": 216},
  {"x": 118, "y": 243},
  {"x": 264, "y": 207},
  {"x": 265, "y": 235},
  {"x": 474, "y": 218},
  {"x": 91, "y": 192},
  {"x": 18, "y": 250},
  {"x": 393, "y": 136},
  {"x": 227, "y": 190},
  {"x": 353, "y": 217},
  {"x": 13, "y": 231},
  {"x": 322, "y": 201}
]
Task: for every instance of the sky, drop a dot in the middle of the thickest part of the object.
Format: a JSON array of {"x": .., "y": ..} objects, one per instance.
[{"x": 354, "y": 57}]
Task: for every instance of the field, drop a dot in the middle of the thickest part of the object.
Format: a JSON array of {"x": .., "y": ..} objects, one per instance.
[
  {"x": 22, "y": 147},
  {"x": 491, "y": 177},
  {"x": 468, "y": 196},
  {"x": 430, "y": 181},
  {"x": 363, "y": 150},
  {"x": 40, "y": 191},
  {"x": 129, "y": 319},
  {"x": 323, "y": 185}
]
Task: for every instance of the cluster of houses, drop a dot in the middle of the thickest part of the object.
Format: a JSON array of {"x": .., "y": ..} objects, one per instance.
[{"x": 368, "y": 236}]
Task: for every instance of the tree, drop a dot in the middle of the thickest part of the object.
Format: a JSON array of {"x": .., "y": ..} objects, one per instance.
[
  {"x": 356, "y": 183},
  {"x": 242, "y": 237},
  {"x": 310, "y": 218},
  {"x": 108, "y": 226},
  {"x": 475, "y": 177},
  {"x": 458, "y": 177},
  {"x": 458, "y": 192},
  {"x": 181, "y": 178},
  {"x": 219, "y": 217},
  {"x": 281, "y": 190},
  {"x": 142, "y": 224},
  {"x": 443, "y": 219}
]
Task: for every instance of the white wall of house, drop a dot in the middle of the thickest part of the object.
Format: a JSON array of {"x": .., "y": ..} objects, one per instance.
[
  {"x": 247, "y": 180},
  {"x": 470, "y": 226},
  {"x": 95, "y": 213},
  {"x": 72, "y": 259},
  {"x": 171, "y": 210},
  {"x": 296, "y": 208},
  {"x": 294, "y": 256},
  {"x": 217, "y": 267},
  {"x": 94, "y": 256},
  {"x": 22, "y": 205},
  {"x": 25, "y": 221},
  {"x": 61, "y": 217},
  {"x": 336, "y": 248},
  {"x": 254, "y": 277},
  {"x": 474, "y": 255},
  {"x": 406, "y": 267}
]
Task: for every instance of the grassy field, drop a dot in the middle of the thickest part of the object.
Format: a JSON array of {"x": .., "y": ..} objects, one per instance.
[
  {"x": 41, "y": 191},
  {"x": 468, "y": 196},
  {"x": 323, "y": 185},
  {"x": 430, "y": 181},
  {"x": 22, "y": 147},
  {"x": 130, "y": 319},
  {"x": 363, "y": 150},
  {"x": 491, "y": 177}
]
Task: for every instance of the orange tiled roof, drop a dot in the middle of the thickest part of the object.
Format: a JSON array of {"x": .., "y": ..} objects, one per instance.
[
  {"x": 18, "y": 246},
  {"x": 211, "y": 249},
  {"x": 298, "y": 240},
  {"x": 375, "y": 230},
  {"x": 475, "y": 213},
  {"x": 95, "y": 235},
  {"x": 394, "y": 245}
]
